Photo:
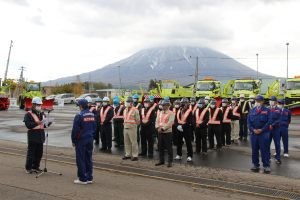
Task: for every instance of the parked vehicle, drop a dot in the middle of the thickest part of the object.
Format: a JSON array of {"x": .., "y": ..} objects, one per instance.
[
  {"x": 50, "y": 97},
  {"x": 67, "y": 98},
  {"x": 83, "y": 96}
]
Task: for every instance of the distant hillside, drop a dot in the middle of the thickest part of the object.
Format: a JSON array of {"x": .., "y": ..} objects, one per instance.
[{"x": 175, "y": 62}]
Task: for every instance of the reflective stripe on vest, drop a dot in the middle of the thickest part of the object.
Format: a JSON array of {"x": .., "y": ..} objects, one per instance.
[
  {"x": 128, "y": 118},
  {"x": 183, "y": 118},
  {"x": 235, "y": 111},
  {"x": 193, "y": 108},
  {"x": 37, "y": 120},
  {"x": 146, "y": 118},
  {"x": 225, "y": 117},
  {"x": 117, "y": 115},
  {"x": 103, "y": 115},
  {"x": 164, "y": 118},
  {"x": 213, "y": 119},
  {"x": 200, "y": 117},
  {"x": 137, "y": 106}
]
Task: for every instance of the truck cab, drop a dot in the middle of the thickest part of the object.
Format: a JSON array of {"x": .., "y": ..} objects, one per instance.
[
  {"x": 208, "y": 87},
  {"x": 247, "y": 87},
  {"x": 292, "y": 90}
]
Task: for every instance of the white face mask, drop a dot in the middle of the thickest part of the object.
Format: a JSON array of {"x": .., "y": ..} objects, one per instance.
[
  {"x": 177, "y": 106},
  {"x": 212, "y": 106},
  {"x": 98, "y": 104},
  {"x": 38, "y": 108},
  {"x": 104, "y": 103},
  {"x": 146, "y": 105},
  {"x": 224, "y": 104},
  {"x": 206, "y": 101},
  {"x": 192, "y": 103},
  {"x": 252, "y": 100},
  {"x": 127, "y": 104},
  {"x": 272, "y": 103},
  {"x": 160, "y": 107},
  {"x": 233, "y": 102},
  {"x": 242, "y": 99},
  {"x": 200, "y": 105},
  {"x": 257, "y": 104}
]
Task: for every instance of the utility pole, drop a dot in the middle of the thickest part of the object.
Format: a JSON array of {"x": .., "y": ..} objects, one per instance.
[
  {"x": 21, "y": 80},
  {"x": 287, "y": 60},
  {"x": 120, "y": 86},
  {"x": 196, "y": 76},
  {"x": 7, "y": 64},
  {"x": 257, "y": 66}
]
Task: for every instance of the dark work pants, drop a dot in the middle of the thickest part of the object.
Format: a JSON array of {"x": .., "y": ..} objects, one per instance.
[
  {"x": 226, "y": 134},
  {"x": 174, "y": 135},
  {"x": 84, "y": 161},
  {"x": 147, "y": 140},
  {"x": 34, "y": 155},
  {"x": 97, "y": 136},
  {"x": 165, "y": 142},
  {"x": 186, "y": 134},
  {"x": 118, "y": 133},
  {"x": 214, "y": 131},
  {"x": 243, "y": 127},
  {"x": 201, "y": 140},
  {"x": 106, "y": 136}
]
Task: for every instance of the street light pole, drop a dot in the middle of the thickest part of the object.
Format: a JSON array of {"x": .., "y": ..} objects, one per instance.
[
  {"x": 8, "y": 58},
  {"x": 257, "y": 66},
  {"x": 120, "y": 86},
  {"x": 287, "y": 60}
]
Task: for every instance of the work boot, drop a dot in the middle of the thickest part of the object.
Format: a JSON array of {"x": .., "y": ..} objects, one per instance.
[
  {"x": 142, "y": 154},
  {"x": 150, "y": 156},
  {"x": 267, "y": 170},
  {"x": 126, "y": 158},
  {"x": 169, "y": 164},
  {"x": 108, "y": 151},
  {"x": 159, "y": 163},
  {"x": 255, "y": 169},
  {"x": 134, "y": 159},
  {"x": 28, "y": 171},
  {"x": 38, "y": 170}
]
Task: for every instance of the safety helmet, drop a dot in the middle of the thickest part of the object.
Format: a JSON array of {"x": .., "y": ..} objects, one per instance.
[
  {"x": 273, "y": 98},
  {"x": 213, "y": 102},
  {"x": 151, "y": 98},
  {"x": 224, "y": 100},
  {"x": 135, "y": 96},
  {"x": 242, "y": 96},
  {"x": 89, "y": 99},
  {"x": 193, "y": 99},
  {"x": 147, "y": 100},
  {"x": 184, "y": 100},
  {"x": 98, "y": 99},
  {"x": 251, "y": 96},
  {"x": 105, "y": 99},
  {"x": 281, "y": 101},
  {"x": 201, "y": 101},
  {"x": 129, "y": 99},
  {"x": 82, "y": 102},
  {"x": 177, "y": 101},
  {"x": 116, "y": 101},
  {"x": 167, "y": 98},
  {"x": 259, "y": 98},
  {"x": 207, "y": 98},
  {"x": 166, "y": 102},
  {"x": 234, "y": 99},
  {"x": 37, "y": 100}
]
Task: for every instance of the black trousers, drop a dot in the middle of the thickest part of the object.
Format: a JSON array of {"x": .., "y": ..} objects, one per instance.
[
  {"x": 226, "y": 134},
  {"x": 186, "y": 134},
  {"x": 174, "y": 135},
  {"x": 97, "y": 136},
  {"x": 34, "y": 155},
  {"x": 119, "y": 133},
  {"x": 243, "y": 126},
  {"x": 106, "y": 136},
  {"x": 147, "y": 140},
  {"x": 201, "y": 140},
  {"x": 165, "y": 142},
  {"x": 214, "y": 131}
]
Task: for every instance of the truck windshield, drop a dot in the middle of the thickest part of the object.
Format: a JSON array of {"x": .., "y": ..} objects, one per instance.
[
  {"x": 33, "y": 87},
  {"x": 168, "y": 86},
  {"x": 243, "y": 85},
  {"x": 293, "y": 85},
  {"x": 206, "y": 86}
]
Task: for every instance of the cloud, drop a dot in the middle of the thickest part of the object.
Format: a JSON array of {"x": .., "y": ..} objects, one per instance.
[{"x": 19, "y": 2}]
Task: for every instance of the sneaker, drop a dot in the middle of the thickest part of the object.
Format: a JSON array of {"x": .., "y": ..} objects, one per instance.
[
  {"x": 38, "y": 170},
  {"x": 286, "y": 155},
  {"x": 255, "y": 169},
  {"x": 189, "y": 159},
  {"x": 28, "y": 171},
  {"x": 178, "y": 157},
  {"x": 89, "y": 182},
  {"x": 77, "y": 181},
  {"x": 274, "y": 154},
  {"x": 267, "y": 170},
  {"x": 278, "y": 162}
]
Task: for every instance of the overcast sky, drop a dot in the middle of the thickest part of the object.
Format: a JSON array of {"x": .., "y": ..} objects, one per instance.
[{"x": 60, "y": 38}]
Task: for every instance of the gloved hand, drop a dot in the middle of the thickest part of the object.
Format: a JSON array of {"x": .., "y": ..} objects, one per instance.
[{"x": 179, "y": 128}]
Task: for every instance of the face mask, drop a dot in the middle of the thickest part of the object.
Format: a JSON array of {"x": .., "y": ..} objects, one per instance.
[
  {"x": 212, "y": 106},
  {"x": 206, "y": 101},
  {"x": 160, "y": 107},
  {"x": 104, "y": 104},
  {"x": 233, "y": 102},
  {"x": 177, "y": 106},
  {"x": 224, "y": 104},
  {"x": 200, "y": 105},
  {"x": 165, "y": 108},
  {"x": 242, "y": 99},
  {"x": 98, "y": 104},
  {"x": 272, "y": 103},
  {"x": 146, "y": 105},
  {"x": 38, "y": 108},
  {"x": 257, "y": 104},
  {"x": 135, "y": 100},
  {"x": 127, "y": 104},
  {"x": 252, "y": 100},
  {"x": 192, "y": 103},
  {"x": 280, "y": 106}
]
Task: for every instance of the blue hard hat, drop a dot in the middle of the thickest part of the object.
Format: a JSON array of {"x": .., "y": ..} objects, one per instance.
[
  {"x": 167, "y": 98},
  {"x": 147, "y": 99},
  {"x": 151, "y": 98},
  {"x": 135, "y": 96},
  {"x": 259, "y": 98},
  {"x": 281, "y": 101},
  {"x": 166, "y": 102},
  {"x": 98, "y": 99},
  {"x": 234, "y": 98},
  {"x": 116, "y": 101},
  {"x": 82, "y": 102},
  {"x": 273, "y": 98}
]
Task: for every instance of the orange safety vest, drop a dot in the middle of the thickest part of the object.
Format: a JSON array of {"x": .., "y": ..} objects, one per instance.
[
  {"x": 183, "y": 118},
  {"x": 225, "y": 117},
  {"x": 235, "y": 111},
  {"x": 200, "y": 116},
  {"x": 213, "y": 119},
  {"x": 137, "y": 106},
  {"x": 128, "y": 118},
  {"x": 103, "y": 114},
  {"x": 37, "y": 120},
  {"x": 117, "y": 114},
  {"x": 163, "y": 118},
  {"x": 145, "y": 118}
]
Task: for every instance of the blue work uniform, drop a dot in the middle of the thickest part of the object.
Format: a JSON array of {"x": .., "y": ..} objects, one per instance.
[
  {"x": 275, "y": 115},
  {"x": 285, "y": 121},
  {"x": 83, "y": 133},
  {"x": 259, "y": 118}
]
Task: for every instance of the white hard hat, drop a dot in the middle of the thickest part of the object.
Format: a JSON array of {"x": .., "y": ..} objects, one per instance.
[
  {"x": 37, "y": 100},
  {"x": 207, "y": 98},
  {"x": 89, "y": 99},
  {"x": 106, "y": 99},
  {"x": 242, "y": 96},
  {"x": 251, "y": 96}
]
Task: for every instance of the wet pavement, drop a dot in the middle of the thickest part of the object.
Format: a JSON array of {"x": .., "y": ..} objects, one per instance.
[{"x": 236, "y": 157}]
